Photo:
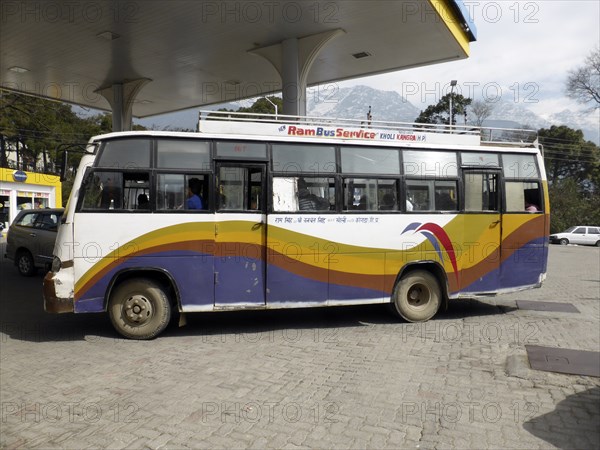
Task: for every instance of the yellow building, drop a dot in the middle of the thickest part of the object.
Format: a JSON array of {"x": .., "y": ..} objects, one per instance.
[{"x": 23, "y": 190}]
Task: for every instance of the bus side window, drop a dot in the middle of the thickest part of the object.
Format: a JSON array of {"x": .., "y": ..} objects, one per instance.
[
  {"x": 370, "y": 194},
  {"x": 172, "y": 191},
  {"x": 523, "y": 196},
  {"x": 431, "y": 195},
  {"x": 418, "y": 194},
  {"x": 103, "y": 190},
  {"x": 481, "y": 191},
  {"x": 136, "y": 189}
]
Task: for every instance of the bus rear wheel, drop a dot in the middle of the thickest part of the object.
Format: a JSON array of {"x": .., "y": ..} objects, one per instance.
[
  {"x": 417, "y": 296},
  {"x": 139, "y": 309}
]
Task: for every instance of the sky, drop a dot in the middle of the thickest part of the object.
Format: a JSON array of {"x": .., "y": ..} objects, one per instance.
[{"x": 523, "y": 53}]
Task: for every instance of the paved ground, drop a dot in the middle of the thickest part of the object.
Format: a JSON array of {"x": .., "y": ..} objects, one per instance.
[{"x": 329, "y": 378}]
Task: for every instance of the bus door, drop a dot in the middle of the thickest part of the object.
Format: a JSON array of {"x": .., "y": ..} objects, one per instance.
[
  {"x": 240, "y": 234},
  {"x": 480, "y": 260}
]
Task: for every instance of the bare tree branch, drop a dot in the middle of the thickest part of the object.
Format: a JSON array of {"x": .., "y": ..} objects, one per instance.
[
  {"x": 481, "y": 110},
  {"x": 583, "y": 83}
]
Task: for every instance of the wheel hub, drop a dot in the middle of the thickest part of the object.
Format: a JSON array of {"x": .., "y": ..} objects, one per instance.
[
  {"x": 418, "y": 296},
  {"x": 138, "y": 309},
  {"x": 24, "y": 264}
]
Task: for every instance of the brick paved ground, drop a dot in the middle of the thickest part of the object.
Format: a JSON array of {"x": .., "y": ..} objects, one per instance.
[{"x": 329, "y": 378}]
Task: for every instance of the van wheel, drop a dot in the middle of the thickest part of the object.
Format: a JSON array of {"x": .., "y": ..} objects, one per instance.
[
  {"x": 417, "y": 296},
  {"x": 139, "y": 309},
  {"x": 564, "y": 241},
  {"x": 598, "y": 244},
  {"x": 25, "y": 263}
]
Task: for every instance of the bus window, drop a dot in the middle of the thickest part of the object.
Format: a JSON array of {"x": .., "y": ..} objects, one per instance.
[
  {"x": 520, "y": 166},
  {"x": 432, "y": 195},
  {"x": 136, "y": 191},
  {"x": 445, "y": 197},
  {"x": 129, "y": 153},
  {"x": 367, "y": 160},
  {"x": 245, "y": 150},
  {"x": 183, "y": 154},
  {"x": 429, "y": 164},
  {"x": 103, "y": 190},
  {"x": 418, "y": 194},
  {"x": 481, "y": 191},
  {"x": 370, "y": 194},
  {"x": 172, "y": 192},
  {"x": 293, "y": 194},
  {"x": 116, "y": 190},
  {"x": 387, "y": 194},
  {"x": 523, "y": 196},
  {"x": 480, "y": 159},
  {"x": 313, "y": 159},
  {"x": 240, "y": 189}
]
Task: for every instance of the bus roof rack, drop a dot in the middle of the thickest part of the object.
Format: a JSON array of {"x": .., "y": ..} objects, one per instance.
[{"x": 246, "y": 123}]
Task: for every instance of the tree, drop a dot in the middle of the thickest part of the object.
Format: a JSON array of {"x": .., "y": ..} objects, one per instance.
[
  {"x": 34, "y": 127},
  {"x": 260, "y": 106},
  {"x": 569, "y": 155},
  {"x": 570, "y": 207},
  {"x": 573, "y": 171},
  {"x": 481, "y": 110},
  {"x": 440, "y": 112},
  {"x": 583, "y": 83}
]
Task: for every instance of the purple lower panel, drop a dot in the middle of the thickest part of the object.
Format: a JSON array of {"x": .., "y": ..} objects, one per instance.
[
  {"x": 522, "y": 268},
  {"x": 239, "y": 280},
  {"x": 192, "y": 272},
  {"x": 284, "y": 286}
]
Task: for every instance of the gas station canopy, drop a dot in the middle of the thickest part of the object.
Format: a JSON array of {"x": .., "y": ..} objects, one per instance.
[{"x": 144, "y": 58}]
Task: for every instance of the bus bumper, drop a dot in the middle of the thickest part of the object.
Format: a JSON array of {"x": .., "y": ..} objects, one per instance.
[{"x": 58, "y": 291}]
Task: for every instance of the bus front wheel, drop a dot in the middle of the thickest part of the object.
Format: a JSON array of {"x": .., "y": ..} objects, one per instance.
[
  {"x": 417, "y": 296},
  {"x": 139, "y": 309}
]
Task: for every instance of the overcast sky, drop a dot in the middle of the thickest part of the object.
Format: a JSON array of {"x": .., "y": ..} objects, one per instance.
[{"x": 523, "y": 53}]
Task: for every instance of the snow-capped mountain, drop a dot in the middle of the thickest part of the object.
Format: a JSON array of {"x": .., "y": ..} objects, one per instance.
[
  {"x": 354, "y": 103},
  {"x": 389, "y": 105}
]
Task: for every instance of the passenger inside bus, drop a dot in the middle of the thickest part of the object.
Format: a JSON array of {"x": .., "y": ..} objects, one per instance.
[
  {"x": 362, "y": 203},
  {"x": 388, "y": 202},
  {"x": 307, "y": 201},
  {"x": 194, "y": 200},
  {"x": 532, "y": 200},
  {"x": 143, "y": 202},
  {"x": 111, "y": 195}
]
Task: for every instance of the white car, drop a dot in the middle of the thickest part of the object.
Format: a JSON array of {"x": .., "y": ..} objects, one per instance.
[{"x": 579, "y": 234}]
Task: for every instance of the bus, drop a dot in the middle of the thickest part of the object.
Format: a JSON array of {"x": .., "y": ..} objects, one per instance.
[{"x": 298, "y": 212}]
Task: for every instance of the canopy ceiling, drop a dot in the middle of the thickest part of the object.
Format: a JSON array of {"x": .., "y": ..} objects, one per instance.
[{"x": 199, "y": 53}]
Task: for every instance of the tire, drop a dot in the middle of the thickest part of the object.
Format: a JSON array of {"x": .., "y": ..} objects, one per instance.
[
  {"x": 139, "y": 309},
  {"x": 417, "y": 296},
  {"x": 564, "y": 241},
  {"x": 25, "y": 264},
  {"x": 598, "y": 244}
]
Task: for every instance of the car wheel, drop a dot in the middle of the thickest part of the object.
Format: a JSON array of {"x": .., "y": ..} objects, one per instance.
[
  {"x": 598, "y": 244},
  {"x": 564, "y": 241},
  {"x": 25, "y": 263},
  {"x": 417, "y": 296},
  {"x": 139, "y": 309}
]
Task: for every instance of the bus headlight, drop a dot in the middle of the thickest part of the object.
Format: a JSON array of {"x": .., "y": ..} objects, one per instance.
[{"x": 56, "y": 264}]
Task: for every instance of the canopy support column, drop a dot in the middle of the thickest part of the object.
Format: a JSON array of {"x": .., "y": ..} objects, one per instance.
[
  {"x": 121, "y": 96},
  {"x": 293, "y": 59}
]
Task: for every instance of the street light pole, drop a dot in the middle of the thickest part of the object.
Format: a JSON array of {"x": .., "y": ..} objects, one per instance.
[
  {"x": 274, "y": 105},
  {"x": 452, "y": 86}
]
